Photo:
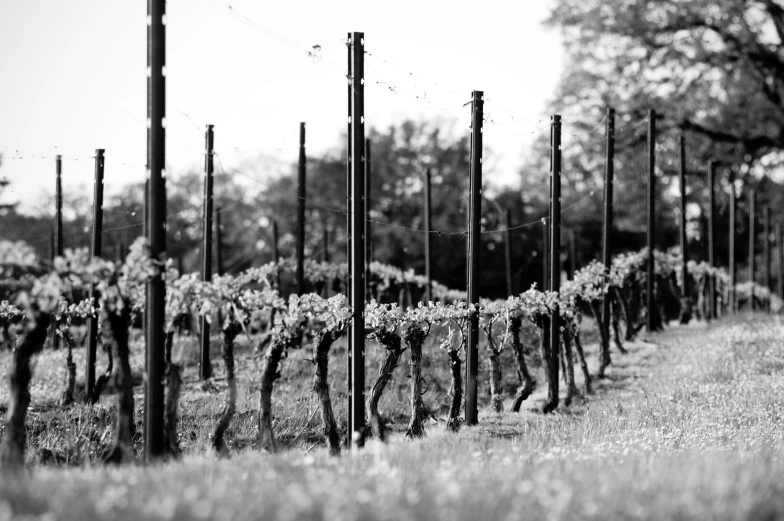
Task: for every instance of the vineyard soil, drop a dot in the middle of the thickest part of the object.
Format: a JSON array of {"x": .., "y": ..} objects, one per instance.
[{"x": 689, "y": 424}]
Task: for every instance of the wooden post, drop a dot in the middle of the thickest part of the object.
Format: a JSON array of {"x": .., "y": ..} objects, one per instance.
[
  {"x": 92, "y": 323},
  {"x": 58, "y": 207},
  {"x": 156, "y": 164},
  {"x": 650, "y": 286},
  {"x": 545, "y": 254},
  {"x": 609, "y": 171},
  {"x": 357, "y": 328},
  {"x": 428, "y": 259},
  {"x": 555, "y": 254},
  {"x": 474, "y": 236},
  {"x": 301, "y": 213},
  {"x": 711, "y": 238},
  {"x": 205, "y": 365}
]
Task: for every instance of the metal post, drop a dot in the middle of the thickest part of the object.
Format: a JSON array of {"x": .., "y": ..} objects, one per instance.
[
  {"x": 357, "y": 332},
  {"x": 367, "y": 231},
  {"x": 301, "y": 213},
  {"x": 508, "y": 253},
  {"x": 325, "y": 245},
  {"x": 474, "y": 236},
  {"x": 711, "y": 238},
  {"x": 218, "y": 242},
  {"x": 156, "y": 164},
  {"x": 779, "y": 263},
  {"x": 205, "y": 367},
  {"x": 609, "y": 171},
  {"x": 58, "y": 207},
  {"x": 682, "y": 222},
  {"x": 732, "y": 267},
  {"x": 766, "y": 245},
  {"x": 276, "y": 252},
  {"x": 545, "y": 254},
  {"x": 752, "y": 241},
  {"x": 650, "y": 301},
  {"x": 428, "y": 250},
  {"x": 92, "y": 323},
  {"x": 349, "y": 339},
  {"x": 555, "y": 250}
]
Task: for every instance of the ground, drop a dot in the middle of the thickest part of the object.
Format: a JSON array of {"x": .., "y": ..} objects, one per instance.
[{"x": 688, "y": 425}]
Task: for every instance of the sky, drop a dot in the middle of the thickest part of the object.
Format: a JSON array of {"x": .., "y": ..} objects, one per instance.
[{"x": 74, "y": 79}]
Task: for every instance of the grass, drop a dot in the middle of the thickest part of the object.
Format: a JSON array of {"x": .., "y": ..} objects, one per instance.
[{"x": 689, "y": 425}]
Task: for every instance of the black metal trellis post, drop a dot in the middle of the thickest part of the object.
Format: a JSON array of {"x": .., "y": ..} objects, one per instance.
[
  {"x": 508, "y": 253},
  {"x": 609, "y": 171},
  {"x": 555, "y": 254},
  {"x": 752, "y": 243},
  {"x": 218, "y": 242},
  {"x": 474, "y": 236},
  {"x": 301, "y": 212},
  {"x": 682, "y": 221},
  {"x": 156, "y": 164},
  {"x": 711, "y": 238},
  {"x": 349, "y": 297},
  {"x": 97, "y": 236},
  {"x": 428, "y": 223},
  {"x": 650, "y": 286},
  {"x": 276, "y": 252},
  {"x": 766, "y": 245},
  {"x": 205, "y": 366},
  {"x": 779, "y": 263},
  {"x": 357, "y": 289},
  {"x": 733, "y": 302},
  {"x": 367, "y": 230}
]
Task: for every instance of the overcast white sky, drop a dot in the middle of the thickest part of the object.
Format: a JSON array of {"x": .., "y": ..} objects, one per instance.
[{"x": 74, "y": 80}]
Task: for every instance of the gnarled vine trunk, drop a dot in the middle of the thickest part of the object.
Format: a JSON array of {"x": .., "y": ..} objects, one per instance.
[
  {"x": 173, "y": 385},
  {"x": 615, "y": 314},
  {"x": 571, "y": 388},
  {"x": 496, "y": 394},
  {"x": 322, "y": 342},
  {"x": 453, "y": 420},
  {"x": 392, "y": 346},
  {"x": 114, "y": 332},
  {"x": 30, "y": 342},
  {"x": 269, "y": 373},
  {"x": 103, "y": 379},
  {"x": 414, "y": 336},
  {"x": 67, "y": 398},
  {"x": 578, "y": 345},
  {"x": 550, "y": 363},
  {"x": 230, "y": 333},
  {"x": 604, "y": 336},
  {"x": 527, "y": 383}
]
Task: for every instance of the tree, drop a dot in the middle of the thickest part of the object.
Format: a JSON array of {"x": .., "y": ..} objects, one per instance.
[{"x": 712, "y": 69}]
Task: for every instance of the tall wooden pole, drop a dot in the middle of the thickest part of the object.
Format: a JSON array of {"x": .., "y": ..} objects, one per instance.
[
  {"x": 428, "y": 259},
  {"x": 546, "y": 253},
  {"x": 649, "y": 283},
  {"x": 205, "y": 366},
  {"x": 474, "y": 236},
  {"x": 156, "y": 164},
  {"x": 357, "y": 328},
  {"x": 733, "y": 303},
  {"x": 301, "y": 213},
  {"x": 555, "y": 254},
  {"x": 609, "y": 171},
  {"x": 682, "y": 222},
  {"x": 711, "y": 238},
  {"x": 92, "y": 323}
]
